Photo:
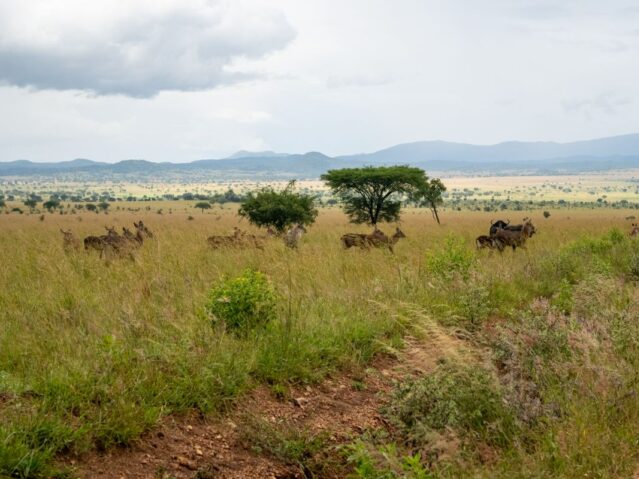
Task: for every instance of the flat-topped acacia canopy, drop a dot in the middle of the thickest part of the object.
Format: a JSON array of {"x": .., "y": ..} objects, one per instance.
[{"x": 374, "y": 194}]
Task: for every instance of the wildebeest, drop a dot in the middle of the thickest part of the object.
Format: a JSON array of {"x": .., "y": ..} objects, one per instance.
[
  {"x": 495, "y": 225},
  {"x": 635, "y": 230},
  {"x": 515, "y": 238},
  {"x": 294, "y": 235},
  {"x": 69, "y": 241}
]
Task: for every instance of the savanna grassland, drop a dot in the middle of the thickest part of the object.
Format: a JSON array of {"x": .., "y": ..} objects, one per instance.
[{"x": 539, "y": 378}]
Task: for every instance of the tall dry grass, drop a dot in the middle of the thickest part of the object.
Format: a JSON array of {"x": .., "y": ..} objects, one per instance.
[{"x": 93, "y": 352}]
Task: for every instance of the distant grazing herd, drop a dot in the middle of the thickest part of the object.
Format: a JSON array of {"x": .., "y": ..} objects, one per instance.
[
  {"x": 110, "y": 243},
  {"x": 501, "y": 235}
]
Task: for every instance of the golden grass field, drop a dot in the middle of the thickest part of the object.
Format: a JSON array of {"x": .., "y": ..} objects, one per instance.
[{"x": 93, "y": 352}]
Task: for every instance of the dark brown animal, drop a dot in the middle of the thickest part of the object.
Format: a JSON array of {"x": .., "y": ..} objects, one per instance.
[
  {"x": 635, "y": 230},
  {"x": 69, "y": 241},
  {"x": 515, "y": 238}
]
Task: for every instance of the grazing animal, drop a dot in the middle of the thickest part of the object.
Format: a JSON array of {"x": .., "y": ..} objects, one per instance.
[
  {"x": 238, "y": 238},
  {"x": 515, "y": 238},
  {"x": 379, "y": 239},
  {"x": 495, "y": 225},
  {"x": 118, "y": 243},
  {"x": 350, "y": 240},
  {"x": 97, "y": 243},
  {"x": 488, "y": 242},
  {"x": 144, "y": 231},
  {"x": 635, "y": 230},
  {"x": 69, "y": 241},
  {"x": 135, "y": 239},
  {"x": 294, "y": 235}
]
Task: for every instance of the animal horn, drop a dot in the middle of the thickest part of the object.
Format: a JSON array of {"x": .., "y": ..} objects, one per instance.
[{"x": 508, "y": 221}]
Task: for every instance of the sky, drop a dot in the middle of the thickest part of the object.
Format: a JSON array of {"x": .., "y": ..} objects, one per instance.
[{"x": 181, "y": 80}]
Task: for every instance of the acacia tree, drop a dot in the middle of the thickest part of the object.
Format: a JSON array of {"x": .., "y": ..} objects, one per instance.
[
  {"x": 51, "y": 204},
  {"x": 203, "y": 205},
  {"x": 374, "y": 194},
  {"x": 278, "y": 209},
  {"x": 430, "y": 195},
  {"x": 30, "y": 203}
]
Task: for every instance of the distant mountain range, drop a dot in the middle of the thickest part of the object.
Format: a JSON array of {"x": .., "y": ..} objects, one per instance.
[{"x": 436, "y": 157}]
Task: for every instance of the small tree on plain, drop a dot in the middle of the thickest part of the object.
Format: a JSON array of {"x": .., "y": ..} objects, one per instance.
[
  {"x": 374, "y": 194},
  {"x": 203, "y": 205},
  {"x": 430, "y": 195},
  {"x": 51, "y": 204},
  {"x": 91, "y": 207},
  {"x": 30, "y": 203},
  {"x": 278, "y": 209}
]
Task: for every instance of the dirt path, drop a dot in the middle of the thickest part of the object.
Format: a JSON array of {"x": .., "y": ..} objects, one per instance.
[{"x": 338, "y": 410}]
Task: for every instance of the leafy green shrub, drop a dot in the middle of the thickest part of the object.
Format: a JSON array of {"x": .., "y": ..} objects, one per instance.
[
  {"x": 465, "y": 399},
  {"x": 563, "y": 300},
  {"x": 474, "y": 306},
  {"x": 385, "y": 462},
  {"x": 243, "y": 303},
  {"x": 454, "y": 258}
]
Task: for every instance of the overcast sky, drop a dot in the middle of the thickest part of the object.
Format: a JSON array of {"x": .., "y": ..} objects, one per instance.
[{"x": 179, "y": 80}]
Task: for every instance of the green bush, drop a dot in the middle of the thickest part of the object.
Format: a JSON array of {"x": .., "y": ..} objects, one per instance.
[
  {"x": 465, "y": 399},
  {"x": 454, "y": 258},
  {"x": 243, "y": 303}
]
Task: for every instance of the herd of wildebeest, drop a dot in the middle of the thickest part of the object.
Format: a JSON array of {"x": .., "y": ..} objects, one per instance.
[{"x": 501, "y": 235}]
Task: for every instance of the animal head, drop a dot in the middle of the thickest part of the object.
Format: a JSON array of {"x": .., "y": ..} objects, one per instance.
[
  {"x": 399, "y": 233},
  {"x": 528, "y": 227},
  {"x": 111, "y": 231}
]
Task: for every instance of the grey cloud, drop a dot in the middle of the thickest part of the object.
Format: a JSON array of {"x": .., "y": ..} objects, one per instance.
[{"x": 183, "y": 48}]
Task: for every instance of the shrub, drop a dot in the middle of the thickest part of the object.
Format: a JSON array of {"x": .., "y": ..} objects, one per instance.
[
  {"x": 465, "y": 399},
  {"x": 243, "y": 303},
  {"x": 453, "y": 258},
  {"x": 278, "y": 209}
]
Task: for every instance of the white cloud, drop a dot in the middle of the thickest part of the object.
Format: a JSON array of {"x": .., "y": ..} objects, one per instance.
[
  {"x": 133, "y": 47},
  {"x": 329, "y": 75}
]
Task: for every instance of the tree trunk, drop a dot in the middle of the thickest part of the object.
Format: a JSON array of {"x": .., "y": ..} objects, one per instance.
[{"x": 434, "y": 209}]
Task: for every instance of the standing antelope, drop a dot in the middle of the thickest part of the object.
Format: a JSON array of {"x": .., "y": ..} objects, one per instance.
[
  {"x": 69, "y": 241},
  {"x": 293, "y": 235},
  {"x": 97, "y": 243},
  {"x": 379, "y": 239},
  {"x": 144, "y": 231},
  {"x": 135, "y": 239}
]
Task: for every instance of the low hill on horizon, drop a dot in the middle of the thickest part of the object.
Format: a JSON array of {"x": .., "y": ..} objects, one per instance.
[{"x": 507, "y": 158}]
